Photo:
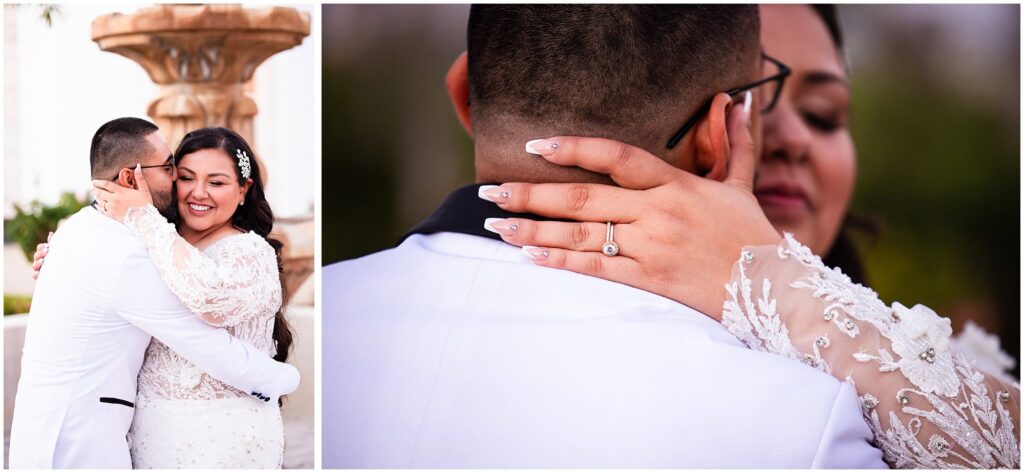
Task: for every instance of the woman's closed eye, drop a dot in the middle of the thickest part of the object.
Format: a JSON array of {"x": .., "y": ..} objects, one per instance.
[
  {"x": 190, "y": 179},
  {"x": 821, "y": 122},
  {"x": 824, "y": 109}
]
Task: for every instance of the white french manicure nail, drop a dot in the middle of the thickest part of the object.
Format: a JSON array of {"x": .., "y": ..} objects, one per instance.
[
  {"x": 542, "y": 147},
  {"x": 482, "y": 192},
  {"x": 491, "y": 193},
  {"x": 535, "y": 253},
  {"x": 489, "y": 224},
  {"x": 500, "y": 226},
  {"x": 529, "y": 146}
]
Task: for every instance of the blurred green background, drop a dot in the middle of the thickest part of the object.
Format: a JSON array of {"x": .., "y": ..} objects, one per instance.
[{"x": 936, "y": 122}]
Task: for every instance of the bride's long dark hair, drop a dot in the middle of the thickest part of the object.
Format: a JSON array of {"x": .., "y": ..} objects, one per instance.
[{"x": 254, "y": 216}]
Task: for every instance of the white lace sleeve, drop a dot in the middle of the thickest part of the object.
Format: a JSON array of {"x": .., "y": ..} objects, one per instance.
[
  {"x": 928, "y": 406},
  {"x": 243, "y": 283}
]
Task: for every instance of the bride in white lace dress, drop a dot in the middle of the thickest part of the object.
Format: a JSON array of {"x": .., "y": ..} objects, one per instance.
[
  {"x": 225, "y": 268},
  {"x": 928, "y": 404}
]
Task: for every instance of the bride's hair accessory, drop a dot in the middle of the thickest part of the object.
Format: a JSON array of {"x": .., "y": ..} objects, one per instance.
[
  {"x": 243, "y": 163},
  {"x": 610, "y": 248}
]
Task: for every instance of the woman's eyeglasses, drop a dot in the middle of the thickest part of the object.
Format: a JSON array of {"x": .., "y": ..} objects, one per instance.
[{"x": 768, "y": 88}]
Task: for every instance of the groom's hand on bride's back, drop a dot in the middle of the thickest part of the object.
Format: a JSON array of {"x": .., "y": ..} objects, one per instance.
[{"x": 678, "y": 234}]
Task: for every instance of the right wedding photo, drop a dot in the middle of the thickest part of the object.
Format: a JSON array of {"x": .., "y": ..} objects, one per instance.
[{"x": 671, "y": 236}]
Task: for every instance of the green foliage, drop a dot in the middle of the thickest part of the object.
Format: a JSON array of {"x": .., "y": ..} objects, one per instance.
[
  {"x": 31, "y": 227},
  {"x": 48, "y": 12},
  {"x": 392, "y": 147},
  {"x": 16, "y": 304},
  {"x": 941, "y": 171}
]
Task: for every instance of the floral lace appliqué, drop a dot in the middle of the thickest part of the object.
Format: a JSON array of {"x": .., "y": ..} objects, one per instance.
[
  {"x": 927, "y": 405},
  {"x": 234, "y": 283}
]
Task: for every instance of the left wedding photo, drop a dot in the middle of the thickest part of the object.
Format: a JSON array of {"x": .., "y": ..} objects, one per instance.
[{"x": 160, "y": 177}]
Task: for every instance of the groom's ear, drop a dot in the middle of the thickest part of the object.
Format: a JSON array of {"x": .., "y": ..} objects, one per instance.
[
  {"x": 711, "y": 140},
  {"x": 457, "y": 83},
  {"x": 126, "y": 178}
]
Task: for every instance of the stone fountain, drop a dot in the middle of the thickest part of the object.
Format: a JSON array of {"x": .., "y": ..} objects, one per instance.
[{"x": 202, "y": 56}]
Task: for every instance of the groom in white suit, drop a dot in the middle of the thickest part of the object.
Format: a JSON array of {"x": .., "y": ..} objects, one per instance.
[
  {"x": 96, "y": 304},
  {"x": 452, "y": 350}
]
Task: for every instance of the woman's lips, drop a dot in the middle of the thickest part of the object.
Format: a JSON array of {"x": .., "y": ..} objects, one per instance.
[
  {"x": 782, "y": 201},
  {"x": 199, "y": 209}
]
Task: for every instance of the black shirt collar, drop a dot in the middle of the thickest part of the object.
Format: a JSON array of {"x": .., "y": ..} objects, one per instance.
[{"x": 463, "y": 211}]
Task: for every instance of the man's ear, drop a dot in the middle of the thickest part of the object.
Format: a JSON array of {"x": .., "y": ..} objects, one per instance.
[
  {"x": 711, "y": 140},
  {"x": 126, "y": 178},
  {"x": 457, "y": 83}
]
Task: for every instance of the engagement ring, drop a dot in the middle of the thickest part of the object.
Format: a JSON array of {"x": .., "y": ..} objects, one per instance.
[{"x": 610, "y": 248}]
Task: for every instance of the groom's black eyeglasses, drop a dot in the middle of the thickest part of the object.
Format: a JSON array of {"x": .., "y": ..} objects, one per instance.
[
  {"x": 169, "y": 167},
  {"x": 770, "y": 87}
]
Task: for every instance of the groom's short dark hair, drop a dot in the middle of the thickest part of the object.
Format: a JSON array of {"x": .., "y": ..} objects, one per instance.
[
  {"x": 118, "y": 144},
  {"x": 626, "y": 72}
]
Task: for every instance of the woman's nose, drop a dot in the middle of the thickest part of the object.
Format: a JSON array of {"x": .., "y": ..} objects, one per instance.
[
  {"x": 199, "y": 191},
  {"x": 786, "y": 136}
]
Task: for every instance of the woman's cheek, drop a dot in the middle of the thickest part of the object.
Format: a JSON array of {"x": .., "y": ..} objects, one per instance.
[
  {"x": 183, "y": 190},
  {"x": 222, "y": 197},
  {"x": 837, "y": 173}
]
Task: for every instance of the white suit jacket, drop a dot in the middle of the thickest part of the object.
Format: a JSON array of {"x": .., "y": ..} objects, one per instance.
[
  {"x": 96, "y": 303},
  {"x": 454, "y": 351}
]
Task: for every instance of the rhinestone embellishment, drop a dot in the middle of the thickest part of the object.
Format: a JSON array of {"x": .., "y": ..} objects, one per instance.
[
  {"x": 1003, "y": 396},
  {"x": 831, "y": 314},
  {"x": 610, "y": 249},
  {"x": 850, "y": 325},
  {"x": 904, "y": 400},
  {"x": 748, "y": 257},
  {"x": 821, "y": 341},
  {"x": 928, "y": 355},
  {"x": 514, "y": 227},
  {"x": 870, "y": 402},
  {"x": 504, "y": 195},
  {"x": 938, "y": 444},
  {"x": 244, "y": 166}
]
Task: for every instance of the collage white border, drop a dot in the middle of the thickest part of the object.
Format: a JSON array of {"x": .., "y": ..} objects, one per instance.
[{"x": 317, "y": 38}]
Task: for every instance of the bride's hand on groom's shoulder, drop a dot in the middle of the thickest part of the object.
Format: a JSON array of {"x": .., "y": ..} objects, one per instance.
[
  {"x": 678, "y": 234},
  {"x": 114, "y": 200},
  {"x": 37, "y": 258}
]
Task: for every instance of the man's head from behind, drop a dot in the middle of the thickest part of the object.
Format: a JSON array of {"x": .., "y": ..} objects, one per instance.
[
  {"x": 120, "y": 144},
  {"x": 633, "y": 73}
]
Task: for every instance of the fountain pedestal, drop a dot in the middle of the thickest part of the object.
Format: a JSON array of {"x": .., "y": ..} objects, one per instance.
[{"x": 202, "y": 56}]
